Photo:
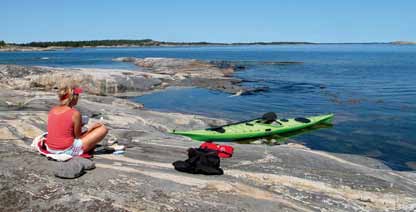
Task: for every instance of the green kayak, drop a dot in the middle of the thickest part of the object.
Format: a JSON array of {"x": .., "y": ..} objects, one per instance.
[{"x": 254, "y": 128}]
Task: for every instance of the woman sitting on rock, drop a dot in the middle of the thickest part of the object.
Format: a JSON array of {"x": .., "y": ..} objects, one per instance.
[{"x": 64, "y": 126}]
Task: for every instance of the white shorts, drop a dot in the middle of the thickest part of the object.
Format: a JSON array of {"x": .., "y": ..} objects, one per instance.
[{"x": 74, "y": 150}]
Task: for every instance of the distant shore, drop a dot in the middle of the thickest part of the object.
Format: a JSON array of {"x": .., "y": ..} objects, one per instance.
[
  {"x": 13, "y": 48},
  {"x": 59, "y": 45}
]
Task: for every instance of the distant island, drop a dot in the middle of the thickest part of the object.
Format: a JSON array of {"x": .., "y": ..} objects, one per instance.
[
  {"x": 403, "y": 43},
  {"x": 54, "y": 45},
  {"x": 142, "y": 42}
]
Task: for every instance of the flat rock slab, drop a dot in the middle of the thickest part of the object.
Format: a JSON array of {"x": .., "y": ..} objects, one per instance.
[
  {"x": 257, "y": 177},
  {"x": 157, "y": 74}
]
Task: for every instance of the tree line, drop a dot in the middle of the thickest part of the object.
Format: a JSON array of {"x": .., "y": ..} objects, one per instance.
[
  {"x": 143, "y": 42},
  {"x": 92, "y": 43}
]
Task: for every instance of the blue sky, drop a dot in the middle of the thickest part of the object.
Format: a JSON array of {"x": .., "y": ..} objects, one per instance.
[{"x": 209, "y": 20}]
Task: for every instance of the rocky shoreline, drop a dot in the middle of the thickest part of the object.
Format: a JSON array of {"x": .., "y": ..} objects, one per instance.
[
  {"x": 257, "y": 178},
  {"x": 155, "y": 74},
  {"x": 10, "y": 48}
]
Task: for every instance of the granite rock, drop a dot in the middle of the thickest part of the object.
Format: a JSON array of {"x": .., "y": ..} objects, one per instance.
[{"x": 257, "y": 178}]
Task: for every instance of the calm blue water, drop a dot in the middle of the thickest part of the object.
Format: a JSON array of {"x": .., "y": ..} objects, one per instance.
[{"x": 370, "y": 88}]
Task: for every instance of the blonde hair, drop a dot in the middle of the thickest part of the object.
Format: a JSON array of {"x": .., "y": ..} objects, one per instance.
[{"x": 66, "y": 94}]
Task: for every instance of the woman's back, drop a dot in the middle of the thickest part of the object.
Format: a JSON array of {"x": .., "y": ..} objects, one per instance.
[{"x": 60, "y": 128}]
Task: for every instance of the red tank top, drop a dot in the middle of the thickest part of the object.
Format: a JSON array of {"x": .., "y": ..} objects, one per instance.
[{"x": 60, "y": 130}]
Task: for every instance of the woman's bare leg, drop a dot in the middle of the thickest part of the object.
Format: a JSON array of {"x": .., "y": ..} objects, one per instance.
[{"x": 90, "y": 139}]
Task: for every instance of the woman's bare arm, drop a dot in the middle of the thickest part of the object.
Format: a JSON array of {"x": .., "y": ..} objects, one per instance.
[{"x": 76, "y": 118}]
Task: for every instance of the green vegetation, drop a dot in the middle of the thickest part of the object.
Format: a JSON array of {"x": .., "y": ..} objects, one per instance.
[
  {"x": 150, "y": 42},
  {"x": 91, "y": 43},
  {"x": 95, "y": 43},
  {"x": 143, "y": 42}
]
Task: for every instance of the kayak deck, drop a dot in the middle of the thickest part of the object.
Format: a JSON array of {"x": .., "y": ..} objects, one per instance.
[{"x": 254, "y": 128}]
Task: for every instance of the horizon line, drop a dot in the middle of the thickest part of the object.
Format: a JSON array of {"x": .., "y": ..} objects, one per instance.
[{"x": 210, "y": 42}]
